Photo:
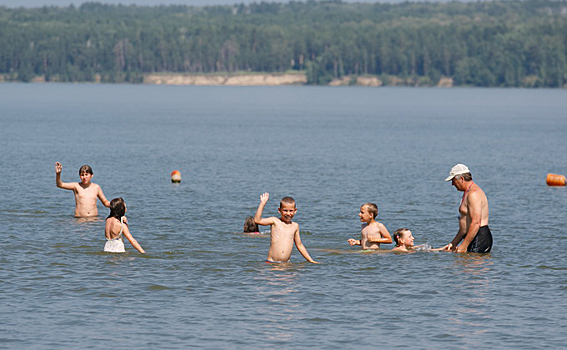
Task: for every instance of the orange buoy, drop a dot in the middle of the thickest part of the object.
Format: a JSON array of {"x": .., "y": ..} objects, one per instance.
[
  {"x": 175, "y": 176},
  {"x": 555, "y": 180}
]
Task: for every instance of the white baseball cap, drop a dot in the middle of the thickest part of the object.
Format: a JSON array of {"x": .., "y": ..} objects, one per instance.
[{"x": 458, "y": 169}]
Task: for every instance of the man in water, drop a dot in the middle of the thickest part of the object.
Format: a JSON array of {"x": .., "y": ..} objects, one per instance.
[{"x": 473, "y": 214}]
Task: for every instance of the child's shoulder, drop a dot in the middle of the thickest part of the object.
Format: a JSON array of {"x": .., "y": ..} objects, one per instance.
[
  {"x": 274, "y": 219},
  {"x": 378, "y": 224},
  {"x": 373, "y": 224}
]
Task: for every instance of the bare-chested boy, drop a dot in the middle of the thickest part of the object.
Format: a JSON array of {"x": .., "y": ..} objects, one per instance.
[
  {"x": 373, "y": 232},
  {"x": 284, "y": 232},
  {"x": 86, "y": 192}
]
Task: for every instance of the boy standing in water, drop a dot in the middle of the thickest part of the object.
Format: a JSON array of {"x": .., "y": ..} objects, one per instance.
[
  {"x": 284, "y": 232},
  {"x": 86, "y": 192},
  {"x": 373, "y": 232}
]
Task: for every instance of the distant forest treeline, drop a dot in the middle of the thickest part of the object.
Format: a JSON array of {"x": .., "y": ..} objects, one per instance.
[{"x": 502, "y": 43}]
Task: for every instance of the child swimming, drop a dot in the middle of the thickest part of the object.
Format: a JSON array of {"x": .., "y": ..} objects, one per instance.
[
  {"x": 373, "y": 232},
  {"x": 116, "y": 225},
  {"x": 250, "y": 226},
  {"x": 284, "y": 232},
  {"x": 404, "y": 242},
  {"x": 86, "y": 192}
]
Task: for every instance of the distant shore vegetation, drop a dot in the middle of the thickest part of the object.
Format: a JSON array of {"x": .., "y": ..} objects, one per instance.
[{"x": 498, "y": 43}]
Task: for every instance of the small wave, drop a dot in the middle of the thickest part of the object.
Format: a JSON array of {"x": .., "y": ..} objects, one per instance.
[
  {"x": 158, "y": 287},
  {"x": 423, "y": 248},
  {"x": 552, "y": 268}
]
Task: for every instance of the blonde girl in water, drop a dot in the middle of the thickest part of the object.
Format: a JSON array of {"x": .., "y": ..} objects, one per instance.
[
  {"x": 116, "y": 226},
  {"x": 404, "y": 242}
]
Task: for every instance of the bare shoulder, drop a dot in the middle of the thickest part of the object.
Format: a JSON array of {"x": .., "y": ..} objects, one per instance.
[
  {"x": 476, "y": 195},
  {"x": 380, "y": 225},
  {"x": 73, "y": 185},
  {"x": 275, "y": 219},
  {"x": 109, "y": 223}
]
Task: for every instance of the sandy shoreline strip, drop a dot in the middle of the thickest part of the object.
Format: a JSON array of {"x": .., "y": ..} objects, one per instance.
[{"x": 255, "y": 79}]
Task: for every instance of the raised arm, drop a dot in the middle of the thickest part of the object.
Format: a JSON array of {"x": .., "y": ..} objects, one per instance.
[
  {"x": 131, "y": 239},
  {"x": 301, "y": 248},
  {"x": 258, "y": 217},
  {"x": 58, "y": 182}
]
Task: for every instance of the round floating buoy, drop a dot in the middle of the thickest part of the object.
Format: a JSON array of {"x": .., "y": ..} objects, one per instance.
[
  {"x": 175, "y": 176},
  {"x": 555, "y": 180}
]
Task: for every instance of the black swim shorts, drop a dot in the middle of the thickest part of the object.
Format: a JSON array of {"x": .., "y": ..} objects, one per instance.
[{"x": 482, "y": 242}]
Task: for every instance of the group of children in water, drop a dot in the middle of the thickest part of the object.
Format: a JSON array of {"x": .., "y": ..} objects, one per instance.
[{"x": 283, "y": 231}]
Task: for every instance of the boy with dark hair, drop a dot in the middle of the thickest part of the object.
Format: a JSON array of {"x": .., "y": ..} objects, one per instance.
[{"x": 86, "y": 192}]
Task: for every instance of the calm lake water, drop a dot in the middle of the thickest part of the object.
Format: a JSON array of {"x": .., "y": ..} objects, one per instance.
[{"x": 204, "y": 285}]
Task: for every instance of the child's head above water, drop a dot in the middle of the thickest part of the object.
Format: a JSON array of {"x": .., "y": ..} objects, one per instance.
[
  {"x": 287, "y": 209},
  {"x": 85, "y": 169},
  {"x": 288, "y": 201},
  {"x": 250, "y": 226},
  {"x": 86, "y": 174},
  {"x": 117, "y": 208},
  {"x": 368, "y": 212},
  {"x": 403, "y": 236}
]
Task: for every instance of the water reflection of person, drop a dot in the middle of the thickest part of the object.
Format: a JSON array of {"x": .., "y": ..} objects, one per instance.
[{"x": 473, "y": 214}]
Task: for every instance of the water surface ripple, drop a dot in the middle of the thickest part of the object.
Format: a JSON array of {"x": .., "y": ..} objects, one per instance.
[{"x": 202, "y": 285}]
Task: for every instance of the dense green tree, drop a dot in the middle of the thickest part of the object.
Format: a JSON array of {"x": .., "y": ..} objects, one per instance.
[{"x": 499, "y": 43}]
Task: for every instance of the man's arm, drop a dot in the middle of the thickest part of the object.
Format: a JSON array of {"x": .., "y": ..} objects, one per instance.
[
  {"x": 258, "y": 217},
  {"x": 58, "y": 182},
  {"x": 474, "y": 210},
  {"x": 458, "y": 237},
  {"x": 301, "y": 248}
]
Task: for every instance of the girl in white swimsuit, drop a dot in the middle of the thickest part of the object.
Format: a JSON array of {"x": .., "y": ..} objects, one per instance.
[{"x": 113, "y": 234}]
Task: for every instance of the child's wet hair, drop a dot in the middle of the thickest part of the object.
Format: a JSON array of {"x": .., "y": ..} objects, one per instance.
[
  {"x": 287, "y": 200},
  {"x": 372, "y": 209},
  {"x": 85, "y": 169},
  {"x": 117, "y": 208},
  {"x": 250, "y": 225},
  {"x": 398, "y": 235}
]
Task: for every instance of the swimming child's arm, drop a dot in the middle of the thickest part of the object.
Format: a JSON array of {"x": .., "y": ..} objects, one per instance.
[
  {"x": 439, "y": 249},
  {"x": 58, "y": 182},
  {"x": 102, "y": 198},
  {"x": 131, "y": 239},
  {"x": 258, "y": 217},
  {"x": 301, "y": 248}
]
